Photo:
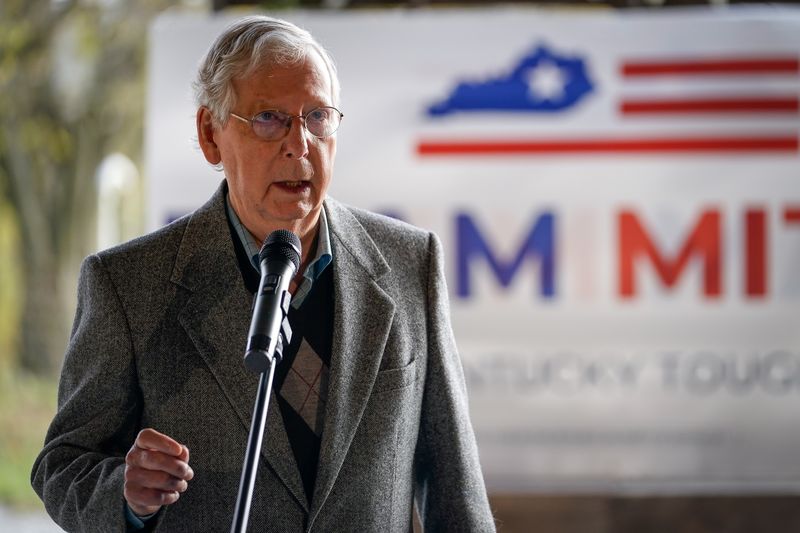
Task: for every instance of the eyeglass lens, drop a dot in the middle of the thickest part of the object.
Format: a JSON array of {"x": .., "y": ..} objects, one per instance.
[{"x": 320, "y": 122}]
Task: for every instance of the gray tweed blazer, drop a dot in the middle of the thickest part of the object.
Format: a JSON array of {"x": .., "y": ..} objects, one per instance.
[{"x": 158, "y": 340}]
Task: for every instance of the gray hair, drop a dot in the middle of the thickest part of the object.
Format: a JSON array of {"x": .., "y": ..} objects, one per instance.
[{"x": 245, "y": 45}]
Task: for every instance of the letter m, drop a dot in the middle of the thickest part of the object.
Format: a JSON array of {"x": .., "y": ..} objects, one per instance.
[
  {"x": 539, "y": 244},
  {"x": 703, "y": 241}
]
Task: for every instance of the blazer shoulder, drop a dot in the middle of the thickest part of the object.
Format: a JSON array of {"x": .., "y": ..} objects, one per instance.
[
  {"x": 164, "y": 242},
  {"x": 389, "y": 230},
  {"x": 148, "y": 251}
]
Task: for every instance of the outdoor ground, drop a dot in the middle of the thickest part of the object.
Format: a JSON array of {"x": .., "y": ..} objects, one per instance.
[
  {"x": 26, "y": 522},
  {"x": 26, "y": 406}
]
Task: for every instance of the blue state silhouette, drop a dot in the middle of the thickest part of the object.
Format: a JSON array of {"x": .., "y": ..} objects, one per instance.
[{"x": 513, "y": 93}]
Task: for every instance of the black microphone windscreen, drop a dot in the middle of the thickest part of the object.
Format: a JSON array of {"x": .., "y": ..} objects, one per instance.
[{"x": 281, "y": 243}]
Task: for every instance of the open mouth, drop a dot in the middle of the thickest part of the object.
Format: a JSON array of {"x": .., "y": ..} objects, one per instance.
[{"x": 294, "y": 185}]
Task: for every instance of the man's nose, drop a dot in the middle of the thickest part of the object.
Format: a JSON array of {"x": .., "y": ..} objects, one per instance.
[{"x": 295, "y": 144}]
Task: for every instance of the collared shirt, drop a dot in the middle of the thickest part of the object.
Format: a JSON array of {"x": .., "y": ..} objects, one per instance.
[{"x": 322, "y": 257}]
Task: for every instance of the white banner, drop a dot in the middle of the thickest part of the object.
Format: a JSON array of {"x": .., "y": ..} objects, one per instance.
[{"x": 619, "y": 199}]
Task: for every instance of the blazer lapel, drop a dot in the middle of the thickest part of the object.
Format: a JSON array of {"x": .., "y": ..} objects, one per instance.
[
  {"x": 217, "y": 317},
  {"x": 357, "y": 350}
]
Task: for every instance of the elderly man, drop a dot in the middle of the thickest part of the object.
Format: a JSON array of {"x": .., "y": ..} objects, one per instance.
[{"x": 369, "y": 409}]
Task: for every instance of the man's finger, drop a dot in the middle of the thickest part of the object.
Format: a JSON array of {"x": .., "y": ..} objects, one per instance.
[
  {"x": 143, "y": 501},
  {"x": 184, "y": 455},
  {"x": 153, "y": 460},
  {"x": 151, "y": 479},
  {"x": 150, "y": 439}
]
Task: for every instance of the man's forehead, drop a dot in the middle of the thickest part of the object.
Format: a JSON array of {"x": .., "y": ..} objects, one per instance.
[
  {"x": 276, "y": 64},
  {"x": 310, "y": 72}
]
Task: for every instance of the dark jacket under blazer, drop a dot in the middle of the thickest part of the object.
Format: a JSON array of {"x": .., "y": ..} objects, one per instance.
[{"x": 158, "y": 340}]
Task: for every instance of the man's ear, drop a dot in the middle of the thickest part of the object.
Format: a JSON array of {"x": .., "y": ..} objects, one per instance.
[{"x": 205, "y": 136}]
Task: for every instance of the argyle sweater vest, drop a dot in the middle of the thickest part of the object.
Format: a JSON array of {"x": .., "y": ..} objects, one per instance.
[{"x": 300, "y": 382}]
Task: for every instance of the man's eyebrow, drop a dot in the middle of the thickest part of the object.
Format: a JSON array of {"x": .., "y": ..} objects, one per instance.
[{"x": 263, "y": 105}]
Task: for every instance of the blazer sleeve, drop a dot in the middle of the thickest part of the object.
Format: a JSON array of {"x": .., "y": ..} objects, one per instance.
[
  {"x": 451, "y": 495},
  {"x": 79, "y": 473}
]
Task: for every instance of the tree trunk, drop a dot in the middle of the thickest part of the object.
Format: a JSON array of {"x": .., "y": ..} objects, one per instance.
[{"x": 45, "y": 331}]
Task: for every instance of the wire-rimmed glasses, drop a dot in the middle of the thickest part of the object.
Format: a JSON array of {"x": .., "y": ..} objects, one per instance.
[{"x": 272, "y": 124}]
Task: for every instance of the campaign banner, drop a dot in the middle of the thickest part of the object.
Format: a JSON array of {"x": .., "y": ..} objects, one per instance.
[{"x": 618, "y": 195}]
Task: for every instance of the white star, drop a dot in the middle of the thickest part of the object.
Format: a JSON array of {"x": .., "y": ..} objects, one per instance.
[{"x": 546, "y": 81}]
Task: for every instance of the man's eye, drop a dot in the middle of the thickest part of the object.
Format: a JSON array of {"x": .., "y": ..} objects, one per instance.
[
  {"x": 267, "y": 117},
  {"x": 318, "y": 115}
]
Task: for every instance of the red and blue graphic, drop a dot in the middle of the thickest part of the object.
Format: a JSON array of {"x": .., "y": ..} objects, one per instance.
[{"x": 659, "y": 105}]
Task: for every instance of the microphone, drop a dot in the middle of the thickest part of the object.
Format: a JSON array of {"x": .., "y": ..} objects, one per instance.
[{"x": 269, "y": 328}]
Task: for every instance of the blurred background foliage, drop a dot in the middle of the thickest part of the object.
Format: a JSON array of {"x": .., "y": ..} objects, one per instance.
[{"x": 71, "y": 92}]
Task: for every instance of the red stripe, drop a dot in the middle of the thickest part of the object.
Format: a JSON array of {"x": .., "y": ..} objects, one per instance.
[
  {"x": 791, "y": 215},
  {"x": 787, "y": 105},
  {"x": 713, "y": 67},
  {"x": 598, "y": 146},
  {"x": 755, "y": 252}
]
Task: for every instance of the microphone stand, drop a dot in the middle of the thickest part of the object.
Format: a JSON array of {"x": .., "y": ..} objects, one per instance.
[{"x": 263, "y": 363}]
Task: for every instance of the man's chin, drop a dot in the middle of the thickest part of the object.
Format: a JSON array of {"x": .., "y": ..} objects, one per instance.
[{"x": 293, "y": 216}]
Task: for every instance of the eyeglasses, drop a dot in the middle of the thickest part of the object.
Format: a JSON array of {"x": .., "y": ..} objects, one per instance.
[{"x": 272, "y": 125}]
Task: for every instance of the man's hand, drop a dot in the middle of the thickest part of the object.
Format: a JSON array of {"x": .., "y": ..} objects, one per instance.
[{"x": 156, "y": 472}]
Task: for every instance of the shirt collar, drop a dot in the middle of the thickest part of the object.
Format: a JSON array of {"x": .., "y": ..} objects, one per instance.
[{"x": 322, "y": 257}]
